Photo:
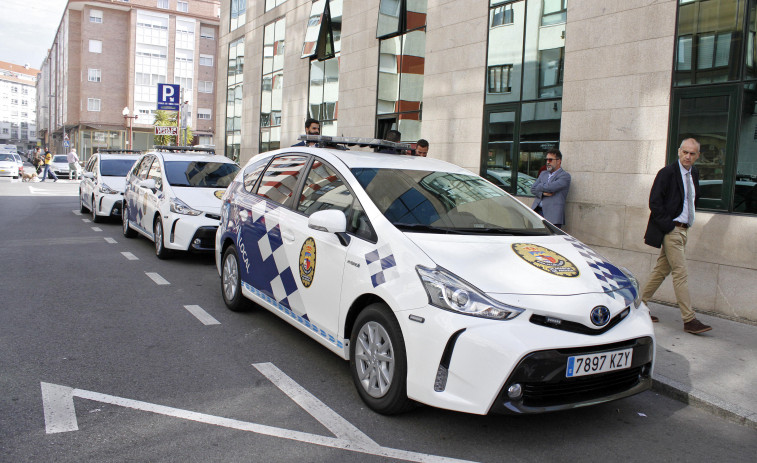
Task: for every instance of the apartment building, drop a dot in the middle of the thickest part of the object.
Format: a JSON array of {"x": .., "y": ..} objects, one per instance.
[
  {"x": 494, "y": 84},
  {"x": 98, "y": 84},
  {"x": 18, "y": 105}
]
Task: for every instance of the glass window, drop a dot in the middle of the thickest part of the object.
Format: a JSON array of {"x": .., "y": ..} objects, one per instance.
[
  {"x": 324, "y": 31},
  {"x": 505, "y": 54},
  {"x": 182, "y": 6},
  {"x": 252, "y": 173},
  {"x": 95, "y": 16},
  {"x": 95, "y": 46},
  {"x": 745, "y": 188},
  {"x": 155, "y": 174},
  {"x": 499, "y": 78},
  {"x": 324, "y": 190},
  {"x": 501, "y": 15},
  {"x": 206, "y": 60},
  {"x": 115, "y": 167},
  {"x": 144, "y": 167},
  {"x": 93, "y": 75},
  {"x": 207, "y": 32},
  {"x": 200, "y": 174},
  {"x": 163, "y": 4},
  {"x": 555, "y": 12},
  {"x": 93, "y": 104},
  {"x": 272, "y": 85},
  {"x": 234, "y": 99},
  {"x": 280, "y": 178},
  {"x": 238, "y": 14},
  {"x": 271, "y": 4}
]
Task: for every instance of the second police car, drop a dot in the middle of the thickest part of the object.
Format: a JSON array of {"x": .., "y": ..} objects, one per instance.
[
  {"x": 436, "y": 285},
  {"x": 101, "y": 189},
  {"x": 173, "y": 197}
]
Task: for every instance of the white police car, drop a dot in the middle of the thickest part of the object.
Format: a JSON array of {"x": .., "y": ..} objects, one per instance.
[
  {"x": 437, "y": 286},
  {"x": 101, "y": 189},
  {"x": 173, "y": 197}
]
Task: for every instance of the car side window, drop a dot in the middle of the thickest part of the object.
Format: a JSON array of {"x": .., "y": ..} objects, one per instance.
[
  {"x": 137, "y": 166},
  {"x": 144, "y": 167},
  {"x": 155, "y": 174},
  {"x": 252, "y": 173},
  {"x": 280, "y": 179}
]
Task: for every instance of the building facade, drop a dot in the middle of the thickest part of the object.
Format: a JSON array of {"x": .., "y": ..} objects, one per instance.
[
  {"x": 494, "y": 84},
  {"x": 106, "y": 61},
  {"x": 18, "y": 105}
]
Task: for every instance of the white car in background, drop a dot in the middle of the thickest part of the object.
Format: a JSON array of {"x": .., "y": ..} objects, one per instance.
[
  {"x": 8, "y": 165},
  {"x": 101, "y": 190},
  {"x": 59, "y": 165},
  {"x": 173, "y": 196},
  {"x": 437, "y": 286}
]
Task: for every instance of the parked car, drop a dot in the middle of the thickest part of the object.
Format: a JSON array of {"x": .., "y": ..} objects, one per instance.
[
  {"x": 436, "y": 285},
  {"x": 20, "y": 163},
  {"x": 59, "y": 165},
  {"x": 8, "y": 165},
  {"x": 173, "y": 195},
  {"x": 101, "y": 190}
]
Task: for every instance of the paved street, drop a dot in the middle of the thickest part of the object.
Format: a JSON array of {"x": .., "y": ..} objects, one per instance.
[{"x": 109, "y": 354}]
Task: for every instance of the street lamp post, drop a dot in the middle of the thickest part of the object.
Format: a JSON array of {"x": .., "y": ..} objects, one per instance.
[{"x": 129, "y": 119}]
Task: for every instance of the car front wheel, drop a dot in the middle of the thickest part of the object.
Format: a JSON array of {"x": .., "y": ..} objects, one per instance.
[
  {"x": 82, "y": 207},
  {"x": 160, "y": 248},
  {"x": 128, "y": 232},
  {"x": 231, "y": 283},
  {"x": 378, "y": 362},
  {"x": 95, "y": 218}
]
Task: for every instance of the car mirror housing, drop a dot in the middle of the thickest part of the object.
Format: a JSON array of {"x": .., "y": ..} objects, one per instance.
[
  {"x": 147, "y": 183},
  {"x": 89, "y": 175},
  {"x": 331, "y": 221}
]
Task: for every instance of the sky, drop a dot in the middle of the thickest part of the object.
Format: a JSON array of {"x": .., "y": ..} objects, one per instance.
[{"x": 27, "y": 29}]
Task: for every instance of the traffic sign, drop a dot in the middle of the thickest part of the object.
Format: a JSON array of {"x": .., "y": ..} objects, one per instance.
[
  {"x": 171, "y": 130},
  {"x": 169, "y": 96},
  {"x": 66, "y": 143}
]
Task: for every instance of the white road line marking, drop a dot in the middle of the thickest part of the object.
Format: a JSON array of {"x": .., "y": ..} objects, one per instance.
[
  {"x": 76, "y": 212},
  {"x": 86, "y": 220},
  {"x": 341, "y": 428},
  {"x": 159, "y": 280},
  {"x": 129, "y": 256},
  {"x": 60, "y": 416},
  {"x": 96, "y": 229},
  {"x": 110, "y": 240},
  {"x": 201, "y": 315}
]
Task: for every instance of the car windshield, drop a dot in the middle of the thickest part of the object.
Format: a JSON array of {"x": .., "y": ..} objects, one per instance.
[
  {"x": 115, "y": 167},
  {"x": 60, "y": 158},
  {"x": 443, "y": 202},
  {"x": 200, "y": 174},
  {"x": 6, "y": 157}
]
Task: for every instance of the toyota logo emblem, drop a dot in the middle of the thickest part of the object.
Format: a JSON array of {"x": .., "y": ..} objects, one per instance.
[{"x": 600, "y": 315}]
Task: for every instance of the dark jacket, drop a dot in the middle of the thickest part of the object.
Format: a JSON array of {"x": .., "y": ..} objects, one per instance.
[{"x": 666, "y": 202}]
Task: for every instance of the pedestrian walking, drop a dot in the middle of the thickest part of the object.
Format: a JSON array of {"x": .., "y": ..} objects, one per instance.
[
  {"x": 551, "y": 189},
  {"x": 48, "y": 168},
  {"x": 672, "y": 203},
  {"x": 73, "y": 164}
]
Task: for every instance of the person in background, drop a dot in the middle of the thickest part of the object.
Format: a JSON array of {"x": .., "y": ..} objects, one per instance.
[
  {"x": 312, "y": 127},
  {"x": 551, "y": 189},
  {"x": 48, "y": 168},
  {"x": 73, "y": 164},
  {"x": 421, "y": 148}
]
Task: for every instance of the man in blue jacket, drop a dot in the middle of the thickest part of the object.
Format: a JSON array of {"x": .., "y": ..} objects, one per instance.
[
  {"x": 671, "y": 202},
  {"x": 551, "y": 189}
]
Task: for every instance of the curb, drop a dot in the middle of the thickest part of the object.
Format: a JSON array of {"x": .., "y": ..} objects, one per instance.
[{"x": 703, "y": 400}]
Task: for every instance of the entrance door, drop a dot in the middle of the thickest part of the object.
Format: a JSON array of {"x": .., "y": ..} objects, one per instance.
[
  {"x": 500, "y": 142},
  {"x": 710, "y": 116}
]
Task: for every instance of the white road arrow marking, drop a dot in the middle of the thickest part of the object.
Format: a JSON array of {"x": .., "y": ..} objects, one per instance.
[{"x": 60, "y": 416}]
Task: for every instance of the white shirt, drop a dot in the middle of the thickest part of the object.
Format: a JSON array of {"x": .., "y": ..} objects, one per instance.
[{"x": 687, "y": 188}]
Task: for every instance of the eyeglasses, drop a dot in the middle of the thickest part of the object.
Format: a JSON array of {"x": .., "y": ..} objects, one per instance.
[{"x": 552, "y": 159}]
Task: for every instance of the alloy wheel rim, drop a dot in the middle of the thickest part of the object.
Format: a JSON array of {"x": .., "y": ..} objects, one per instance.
[
  {"x": 94, "y": 210},
  {"x": 230, "y": 277},
  {"x": 158, "y": 237},
  {"x": 125, "y": 219},
  {"x": 374, "y": 359}
]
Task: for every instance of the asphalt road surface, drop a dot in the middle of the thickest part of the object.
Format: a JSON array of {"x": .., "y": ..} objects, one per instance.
[{"x": 109, "y": 354}]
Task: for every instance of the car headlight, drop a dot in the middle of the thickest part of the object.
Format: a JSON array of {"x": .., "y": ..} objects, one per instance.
[
  {"x": 180, "y": 207},
  {"x": 635, "y": 285},
  {"x": 450, "y": 292},
  {"x": 107, "y": 190}
]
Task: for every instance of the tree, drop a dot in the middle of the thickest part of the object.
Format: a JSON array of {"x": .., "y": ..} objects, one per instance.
[{"x": 163, "y": 119}]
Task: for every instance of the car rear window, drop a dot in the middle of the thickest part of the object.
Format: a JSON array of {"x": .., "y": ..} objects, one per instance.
[
  {"x": 115, "y": 167},
  {"x": 200, "y": 174}
]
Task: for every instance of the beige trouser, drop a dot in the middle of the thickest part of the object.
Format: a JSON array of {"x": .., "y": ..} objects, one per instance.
[{"x": 672, "y": 258}]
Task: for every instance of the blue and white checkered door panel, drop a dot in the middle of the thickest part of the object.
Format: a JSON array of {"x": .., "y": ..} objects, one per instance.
[{"x": 382, "y": 266}]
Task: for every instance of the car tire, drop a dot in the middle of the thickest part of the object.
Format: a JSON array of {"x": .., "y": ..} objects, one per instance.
[
  {"x": 128, "y": 232},
  {"x": 82, "y": 207},
  {"x": 95, "y": 218},
  {"x": 159, "y": 236},
  {"x": 378, "y": 362},
  {"x": 231, "y": 281}
]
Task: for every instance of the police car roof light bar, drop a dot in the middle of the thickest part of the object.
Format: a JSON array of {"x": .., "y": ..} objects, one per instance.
[
  {"x": 199, "y": 150},
  {"x": 325, "y": 141},
  {"x": 113, "y": 150}
]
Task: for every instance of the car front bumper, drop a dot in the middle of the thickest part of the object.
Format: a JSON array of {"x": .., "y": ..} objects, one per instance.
[
  {"x": 109, "y": 205},
  {"x": 191, "y": 233},
  {"x": 483, "y": 358}
]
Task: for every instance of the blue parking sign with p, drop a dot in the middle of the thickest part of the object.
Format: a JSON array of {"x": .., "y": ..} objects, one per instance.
[{"x": 168, "y": 97}]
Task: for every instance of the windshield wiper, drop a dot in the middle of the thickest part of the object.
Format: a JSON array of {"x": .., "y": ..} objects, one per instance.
[
  {"x": 503, "y": 231},
  {"x": 419, "y": 227}
]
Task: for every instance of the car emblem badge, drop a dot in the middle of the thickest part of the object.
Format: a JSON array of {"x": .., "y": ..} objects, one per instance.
[
  {"x": 546, "y": 260},
  {"x": 307, "y": 262},
  {"x": 600, "y": 315}
]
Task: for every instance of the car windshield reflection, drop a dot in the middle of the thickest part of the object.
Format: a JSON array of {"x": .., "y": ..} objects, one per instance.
[
  {"x": 200, "y": 174},
  {"x": 442, "y": 202},
  {"x": 115, "y": 167}
]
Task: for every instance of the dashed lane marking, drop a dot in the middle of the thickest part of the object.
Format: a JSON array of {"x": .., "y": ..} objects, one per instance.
[
  {"x": 159, "y": 280},
  {"x": 76, "y": 212},
  {"x": 201, "y": 315},
  {"x": 129, "y": 256},
  {"x": 110, "y": 240},
  {"x": 97, "y": 229},
  {"x": 86, "y": 220}
]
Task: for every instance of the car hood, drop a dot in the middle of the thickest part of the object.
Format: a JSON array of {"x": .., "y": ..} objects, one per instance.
[
  {"x": 557, "y": 265},
  {"x": 8, "y": 164},
  {"x": 115, "y": 183},
  {"x": 205, "y": 199}
]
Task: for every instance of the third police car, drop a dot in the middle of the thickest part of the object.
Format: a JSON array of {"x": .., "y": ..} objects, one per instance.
[{"x": 436, "y": 285}]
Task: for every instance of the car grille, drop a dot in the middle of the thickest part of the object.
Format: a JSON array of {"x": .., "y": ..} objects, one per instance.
[
  {"x": 579, "y": 389},
  {"x": 207, "y": 238},
  {"x": 575, "y": 327}
]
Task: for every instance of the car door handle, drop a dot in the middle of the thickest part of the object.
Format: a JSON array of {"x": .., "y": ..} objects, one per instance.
[{"x": 287, "y": 236}]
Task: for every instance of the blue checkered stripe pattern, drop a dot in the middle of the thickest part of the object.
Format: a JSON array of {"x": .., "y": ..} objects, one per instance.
[
  {"x": 270, "y": 272},
  {"x": 381, "y": 265},
  {"x": 611, "y": 279}
]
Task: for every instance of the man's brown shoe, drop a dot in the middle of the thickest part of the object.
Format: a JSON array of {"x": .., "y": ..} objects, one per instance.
[
  {"x": 654, "y": 319},
  {"x": 695, "y": 327}
]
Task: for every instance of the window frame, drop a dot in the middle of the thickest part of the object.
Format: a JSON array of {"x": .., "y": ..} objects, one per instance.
[
  {"x": 96, "y": 44},
  {"x": 92, "y": 102},
  {"x": 96, "y": 77}
]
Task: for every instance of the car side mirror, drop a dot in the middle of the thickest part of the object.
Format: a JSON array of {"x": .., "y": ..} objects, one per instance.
[
  {"x": 147, "y": 183},
  {"x": 89, "y": 175},
  {"x": 331, "y": 221}
]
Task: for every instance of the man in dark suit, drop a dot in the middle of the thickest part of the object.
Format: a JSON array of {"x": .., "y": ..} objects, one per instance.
[
  {"x": 312, "y": 127},
  {"x": 551, "y": 189},
  {"x": 671, "y": 201}
]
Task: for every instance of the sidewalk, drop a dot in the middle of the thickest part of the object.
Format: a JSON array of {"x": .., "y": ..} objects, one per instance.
[{"x": 716, "y": 370}]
